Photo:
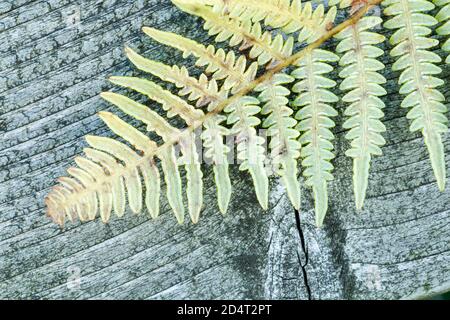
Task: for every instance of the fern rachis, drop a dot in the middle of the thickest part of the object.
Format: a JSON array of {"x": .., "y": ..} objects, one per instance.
[{"x": 230, "y": 99}]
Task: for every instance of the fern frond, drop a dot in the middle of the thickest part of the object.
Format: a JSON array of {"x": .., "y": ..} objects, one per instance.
[
  {"x": 264, "y": 48},
  {"x": 362, "y": 80},
  {"x": 311, "y": 26},
  {"x": 213, "y": 141},
  {"x": 170, "y": 102},
  {"x": 444, "y": 17},
  {"x": 290, "y": 16},
  {"x": 148, "y": 169},
  {"x": 174, "y": 106},
  {"x": 201, "y": 90},
  {"x": 285, "y": 149},
  {"x": 168, "y": 159},
  {"x": 223, "y": 66},
  {"x": 194, "y": 175},
  {"x": 206, "y": 93},
  {"x": 90, "y": 205},
  {"x": 132, "y": 179},
  {"x": 418, "y": 78},
  {"x": 229, "y": 27},
  {"x": 315, "y": 123},
  {"x": 250, "y": 146},
  {"x": 102, "y": 179},
  {"x": 110, "y": 166},
  {"x": 113, "y": 171},
  {"x": 189, "y": 156}
]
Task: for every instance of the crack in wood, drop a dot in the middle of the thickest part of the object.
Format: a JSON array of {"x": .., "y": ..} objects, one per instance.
[{"x": 305, "y": 253}]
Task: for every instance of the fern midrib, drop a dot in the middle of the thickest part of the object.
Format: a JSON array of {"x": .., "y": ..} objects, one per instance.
[
  {"x": 250, "y": 86},
  {"x": 417, "y": 72},
  {"x": 363, "y": 79}
]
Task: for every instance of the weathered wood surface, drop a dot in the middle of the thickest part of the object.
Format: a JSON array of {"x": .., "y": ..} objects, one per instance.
[{"x": 52, "y": 68}]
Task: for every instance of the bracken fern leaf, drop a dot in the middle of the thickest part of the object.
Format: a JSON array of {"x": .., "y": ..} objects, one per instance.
[
  {"x": 285, "y": 149},
  {"x": 314, "y": 122},
  {"x": 361, "y": 79},
  {"x": 223, "y": 66},
  {"x": 244, "y": 34},
  {"x": 418, "y": 78},
  {"x": 290, "y": 16},
  {"x": 238, "y": 93},
  {"x": 206, "y": 92}
]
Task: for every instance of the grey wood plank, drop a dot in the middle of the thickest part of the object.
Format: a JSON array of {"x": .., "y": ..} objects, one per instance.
[{"x": 55, "y": 57}]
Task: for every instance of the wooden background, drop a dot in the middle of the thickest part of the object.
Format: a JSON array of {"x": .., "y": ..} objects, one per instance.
[{"x": 54, "y": 58}]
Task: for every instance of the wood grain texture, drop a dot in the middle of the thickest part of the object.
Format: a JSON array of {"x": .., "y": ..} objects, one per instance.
[{"x": 54, "y": 58}]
